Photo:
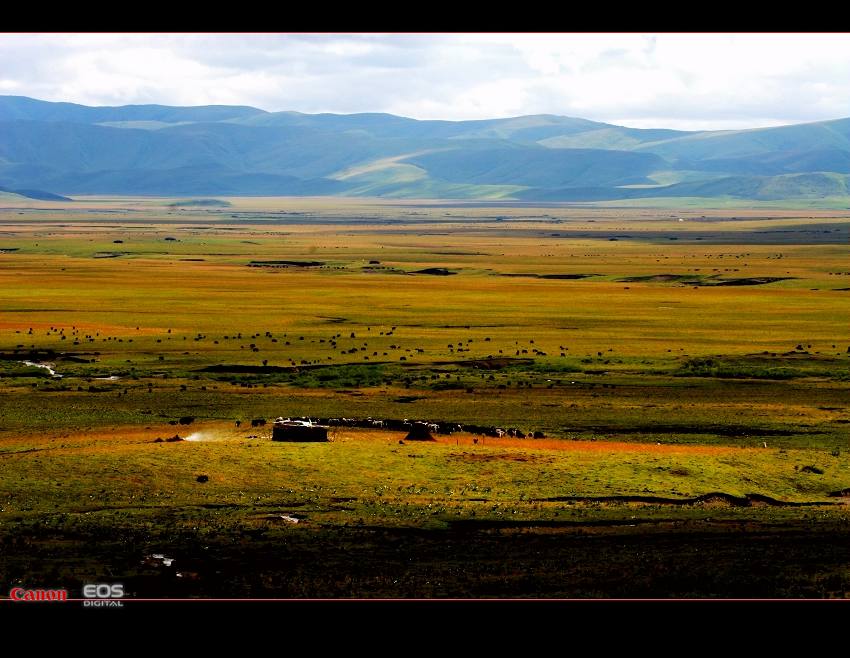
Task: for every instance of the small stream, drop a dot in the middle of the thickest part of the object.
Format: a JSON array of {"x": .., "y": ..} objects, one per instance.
[
  {"x": 49, "y": 368},
  {"x": 46, "y": 366}
]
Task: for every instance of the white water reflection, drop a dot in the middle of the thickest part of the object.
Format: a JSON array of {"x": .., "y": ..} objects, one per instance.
[{"x": 47, "y": 366}]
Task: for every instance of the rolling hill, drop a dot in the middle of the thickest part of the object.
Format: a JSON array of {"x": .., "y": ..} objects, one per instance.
[{"x": 68, "y": 149}]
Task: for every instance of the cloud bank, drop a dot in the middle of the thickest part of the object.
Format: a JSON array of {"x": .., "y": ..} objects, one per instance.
[{"x": 689, "y": 82}]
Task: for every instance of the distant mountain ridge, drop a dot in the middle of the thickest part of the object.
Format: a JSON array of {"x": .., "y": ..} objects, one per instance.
[{"x": 70, "y": 149}]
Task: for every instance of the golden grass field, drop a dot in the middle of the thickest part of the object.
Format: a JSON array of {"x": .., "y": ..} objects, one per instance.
[{"x": 645, "y": 377}]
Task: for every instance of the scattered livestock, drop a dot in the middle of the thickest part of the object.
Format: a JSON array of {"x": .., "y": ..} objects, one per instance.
[
  {"x": 432, "y": 427},
  {"x": 404, "y": 425},
  {"x": 286, "y": 429},
  {"x": 419, "y": 432}
]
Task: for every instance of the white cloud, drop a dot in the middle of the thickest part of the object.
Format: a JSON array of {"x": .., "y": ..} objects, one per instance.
[{"x": 643, "y": 80}]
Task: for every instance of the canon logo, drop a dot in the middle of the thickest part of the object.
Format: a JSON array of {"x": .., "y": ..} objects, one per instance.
[{"x": 22, "y": 594}]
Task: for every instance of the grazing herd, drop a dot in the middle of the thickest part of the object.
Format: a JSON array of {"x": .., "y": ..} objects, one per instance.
[
  {"x": 405, "y": 425},
  {"x": 184, "y": 420}
]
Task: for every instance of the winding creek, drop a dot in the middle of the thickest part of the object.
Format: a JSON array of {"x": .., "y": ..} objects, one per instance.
[{"x": 46, "y": 366}]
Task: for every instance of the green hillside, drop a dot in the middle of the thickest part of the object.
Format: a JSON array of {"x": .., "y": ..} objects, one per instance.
[
  {"x": 65, "y": 149},
  {"x": 539, "y": 167},
  {"x": 820, "y": 185},
  {"x": 23, "y": 108},
  {"x": 612, "y": 137},
  {"x": 826, "y": 135}
]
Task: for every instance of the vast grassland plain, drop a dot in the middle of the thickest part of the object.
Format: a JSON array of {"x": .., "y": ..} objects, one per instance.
[{"x": 686, "y": 372}]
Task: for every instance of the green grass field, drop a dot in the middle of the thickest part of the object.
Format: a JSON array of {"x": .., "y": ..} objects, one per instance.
[{"x": 663, "y": 354}]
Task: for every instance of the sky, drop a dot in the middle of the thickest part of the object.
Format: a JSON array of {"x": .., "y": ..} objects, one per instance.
[{"x": 682, "y": 81}]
